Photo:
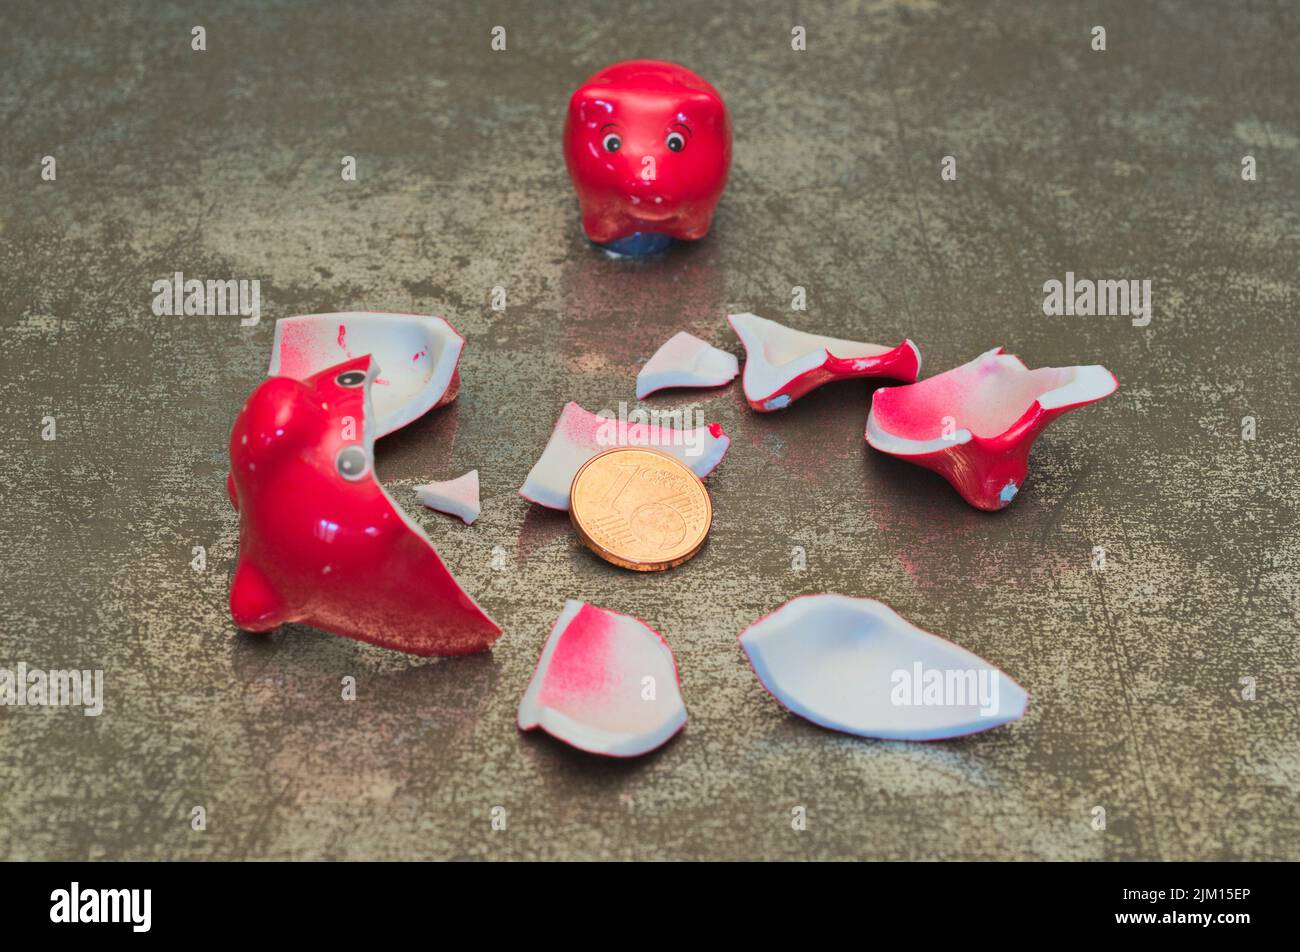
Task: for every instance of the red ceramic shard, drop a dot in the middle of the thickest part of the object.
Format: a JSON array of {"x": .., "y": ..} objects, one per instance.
[
  {"x": 974, "y": 424},
  {"x": 782, "y": 364},
  {"x": 579, "y": 435},
  {"x": 320, "y": 542},
  {"x": 648, "y": 146},
  {"x": 606, "y": 683}
]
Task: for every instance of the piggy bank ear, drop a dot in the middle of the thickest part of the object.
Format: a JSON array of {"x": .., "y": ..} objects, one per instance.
[
  {"x": 706, "y": 107},
  {"x": 592, "y": 104}
]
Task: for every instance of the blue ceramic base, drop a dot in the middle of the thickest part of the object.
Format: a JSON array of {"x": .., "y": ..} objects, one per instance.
[{"x": 639, "y": 243}]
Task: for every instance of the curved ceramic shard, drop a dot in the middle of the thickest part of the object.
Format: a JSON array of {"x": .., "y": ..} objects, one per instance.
[
  {"x": 456, "y": 497},
  {"x": 320, "y": 542},
  {"x": 855, "y": 665},
  {"x": 975, "y": 424},
  {"x": 579, "y": 435},
  {"x": 782, "y": 364},
  {"x": 686, "y": 361},
  {"x": 420, "y": 356},
  {"x": 606, "y": 683}
]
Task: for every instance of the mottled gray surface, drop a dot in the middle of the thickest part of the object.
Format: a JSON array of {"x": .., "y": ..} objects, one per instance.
[{"x": 225, "y": 164}]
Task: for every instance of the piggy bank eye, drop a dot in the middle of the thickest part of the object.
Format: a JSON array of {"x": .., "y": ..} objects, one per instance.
[
  {"x": 351, "y": 462},
  {"x": 675, "y": 142},
  {"x": 612, "y": 142},
  {"x": 350, "y": 378}
]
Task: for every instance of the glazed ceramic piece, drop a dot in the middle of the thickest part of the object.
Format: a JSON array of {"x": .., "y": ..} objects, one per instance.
[
  {"x": 686, "y": 361},
  {"x": 648, "y": 146},
  {"x": 456, "y": 497},
  {"x": 580, "y": 435},
  {"x": 320, "y": 542},
  {"x": 420, "y": 357},
  {"x": 782, "y": 364},
  {"x": 855, "y": 665},
  {"x": 606, "y": 683},
  {"x": 975, "y": 424}
]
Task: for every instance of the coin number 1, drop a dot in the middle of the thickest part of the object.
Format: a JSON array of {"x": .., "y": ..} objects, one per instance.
[{"x": 618, "y": 485}]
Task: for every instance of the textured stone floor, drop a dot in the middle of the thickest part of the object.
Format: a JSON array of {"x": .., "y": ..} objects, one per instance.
[{"x": 225, "y": 164}]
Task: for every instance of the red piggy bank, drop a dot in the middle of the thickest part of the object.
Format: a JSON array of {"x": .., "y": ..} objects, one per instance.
[{"x": 648, "y": 145}]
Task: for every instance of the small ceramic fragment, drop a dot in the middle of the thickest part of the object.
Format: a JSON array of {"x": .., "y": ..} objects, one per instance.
[
  {"x": 855, "y": 665},
  {"x": 420, "y": 356},
  {"x": 686, "y": 361},
  {"x": 782, "y": 364},
  {"x": 606, "y": 683},
  {"x": 579, "y": 435},
  {"x": 456, "y": 497},
  {"x": 320, "y": 541},
  {"x": 975, "y": 424}
]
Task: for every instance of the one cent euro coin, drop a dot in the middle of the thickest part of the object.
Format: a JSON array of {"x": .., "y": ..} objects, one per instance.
[{"x": 640, "y": 508}]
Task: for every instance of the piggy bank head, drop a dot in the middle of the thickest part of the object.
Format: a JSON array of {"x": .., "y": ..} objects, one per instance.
[
  {"x": 648, "y": 145},
  {"x": 290, "y": 419}
]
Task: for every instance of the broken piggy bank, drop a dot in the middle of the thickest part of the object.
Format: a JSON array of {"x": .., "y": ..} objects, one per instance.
[
  {"x": 320, "y": 542},
  {"x": 648, "y": 145}
]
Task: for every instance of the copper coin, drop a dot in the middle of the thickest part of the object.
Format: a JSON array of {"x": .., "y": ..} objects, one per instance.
[{"x": 640, "y": 508}]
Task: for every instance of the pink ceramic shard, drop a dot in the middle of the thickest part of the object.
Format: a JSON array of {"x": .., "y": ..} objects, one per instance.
[
  {"x": 974, "y": 424},
  {"x": 855, "y": 665},
  {"x": 686, "y": 361},
  {"x": 456, "y": 497},
  {"x": 420, "y": 356},
  {"x": 579, "y": 435},
  {"x": 606, "y": 683},
  {"x": 782, "y": 364}
]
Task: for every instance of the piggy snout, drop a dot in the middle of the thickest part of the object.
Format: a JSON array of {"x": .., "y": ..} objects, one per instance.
[{"x": 647, "y": 181}]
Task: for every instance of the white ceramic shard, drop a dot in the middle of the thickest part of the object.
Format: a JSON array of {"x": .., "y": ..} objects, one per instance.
[
  {"x": 976, "y": 423},
  {"x": 782, "y": 364},
  {"x": 456, "y": 497},
  {"x": 419, "y": 354},
  {"x": 579, "y": 435},
  {"x": 605, "y": 683},
  {"x": 686, "y": 361},
  {"x": 855, "y": 665}
]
